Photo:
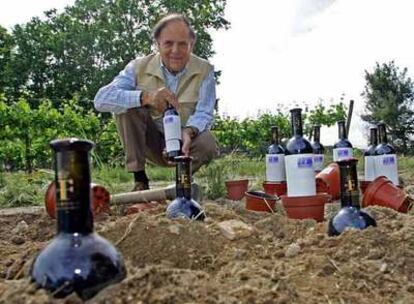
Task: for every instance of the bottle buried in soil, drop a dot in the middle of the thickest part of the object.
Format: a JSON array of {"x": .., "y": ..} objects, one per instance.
[
  {"x": 350, "y": 215},
  {"x": 342, "y": 149},
  {"x": 275, "y": 159},
  {"x": 77, "y": 259},
  {"x": 184, "y": 206}
]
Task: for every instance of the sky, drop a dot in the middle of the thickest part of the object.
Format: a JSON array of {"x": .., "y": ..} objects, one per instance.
[{"x": 287, "y": 53}]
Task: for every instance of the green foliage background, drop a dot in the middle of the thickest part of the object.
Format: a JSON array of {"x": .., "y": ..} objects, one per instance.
[
  {"x": 389, "y": 97},
  {"x": 25, "y": 131}
]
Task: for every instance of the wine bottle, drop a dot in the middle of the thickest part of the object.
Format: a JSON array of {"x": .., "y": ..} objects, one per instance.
[
  {"x": 318, "y": 149},
  {"x": 386, "y": 158},
  {"x": 350, "y": 215},
  {"x": 184, "y": 206},
  {"x": 77, "y": 259},
  {"x": 172, "y": 132},
  {"x": 342, "y": 149},
  {"x": 300, "y": 175},
  {"x": 275, "y": 159},
  {"x": 369, "y": 156}
]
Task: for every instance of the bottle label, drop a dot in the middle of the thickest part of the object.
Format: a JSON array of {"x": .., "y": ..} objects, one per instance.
[
  {"x": 172, "y": 127},
  {"x": 300, "y": 175},
  {"x": 172, "y": 145},
  {"x": 342, "y": 154},
  {"x": 318, "y": 160},
  {"x": 275, "y": 167},
  {"x": 369, "y": 168},
  {"x": 67, "y": 199},
  {"x": 172, "y": 132},
  {"x": 386, "y": 165}
]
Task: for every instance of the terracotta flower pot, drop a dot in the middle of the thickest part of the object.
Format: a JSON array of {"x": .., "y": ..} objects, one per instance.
[
  {"x": 363, "y": 185},
  {"x": 100, "y": 199},
  {"x": 383, "y": 192},
  {"x": 260, "y": 201},
  {"x": 275, "y": 188},
  {"x": 236, "y": 188},
  {"x": 303, "y": 207},
  {"x": 328, "y": 181}
]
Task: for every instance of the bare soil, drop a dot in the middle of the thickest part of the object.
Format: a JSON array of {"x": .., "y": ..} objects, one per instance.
[{"x": 192, "y": 262}]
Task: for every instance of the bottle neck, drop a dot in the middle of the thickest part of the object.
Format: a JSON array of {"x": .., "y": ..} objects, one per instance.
[
  {"x": 296, "y": 119},
  {"x": 342, "y": 130},
  {"x": 349, "y": 183},
  {"x": 317, "y": 134},
  {"x": 183, "y": 179},
  {"x": 373, "y": 137},
  {"x": 73, "y": 197},
  {"x": 382, "y": 133},
  {"x": 275, "y": 136}
]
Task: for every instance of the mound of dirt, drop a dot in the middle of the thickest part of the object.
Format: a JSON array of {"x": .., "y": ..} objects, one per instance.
[{"x": 281, "y": 261}]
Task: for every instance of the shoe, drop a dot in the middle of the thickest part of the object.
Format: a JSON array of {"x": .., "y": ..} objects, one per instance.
[{"x": 139, "y": 186}]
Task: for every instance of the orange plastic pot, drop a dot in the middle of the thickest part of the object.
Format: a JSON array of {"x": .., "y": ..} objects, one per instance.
[
  {"x": 100, "y": 199},
  {"x": 236, "y": 188},
  {"x": 275, "y": 188},
  {"x": 363, "y": 185},
  {"x": 383, "y": 192},
  {"x": 304, "y": 207},
  {"x": 260, "y": 201},
  {"x": 327, "y": 181}
]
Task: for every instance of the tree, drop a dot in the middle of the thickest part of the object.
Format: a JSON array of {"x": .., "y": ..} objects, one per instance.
[
  {"x": 6, "y": 47},
  {"x": 389, "y": 98},
  {"x": 73, "y": 53}
]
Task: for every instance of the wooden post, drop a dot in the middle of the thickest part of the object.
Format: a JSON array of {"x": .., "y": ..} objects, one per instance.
[{"x": 349, "y": 117}]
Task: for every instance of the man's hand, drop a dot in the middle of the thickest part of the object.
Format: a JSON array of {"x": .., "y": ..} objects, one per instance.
[
  {"x": 159, "y": 99},
  {"x": 187, "y": 137},
  {"x": 188, "y": 134}
]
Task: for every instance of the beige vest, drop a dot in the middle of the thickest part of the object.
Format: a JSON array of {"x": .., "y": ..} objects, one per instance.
[{"x": 150, "y": 78}]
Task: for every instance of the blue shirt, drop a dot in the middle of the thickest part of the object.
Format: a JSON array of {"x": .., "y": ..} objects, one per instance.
[{"x": 121, "y": 94}]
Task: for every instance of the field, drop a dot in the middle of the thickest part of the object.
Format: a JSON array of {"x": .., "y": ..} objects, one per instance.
[{"x": 279, "y": 261}]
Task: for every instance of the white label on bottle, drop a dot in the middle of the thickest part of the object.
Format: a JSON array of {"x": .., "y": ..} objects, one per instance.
[
  {"x": 300, "y": 175},
  {"x": 342, "y": 153},
  {"x": 386, "y": 165},
  {"x": 369, "y": 168},
  {"x": 275, "y": 167},
  {"x": 172, "y": 145},
  {"x": 172, "y": 132},
  {"x": 318, "y": 160}
]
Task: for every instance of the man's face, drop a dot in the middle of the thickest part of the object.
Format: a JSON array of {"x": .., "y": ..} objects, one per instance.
[{"x": 175, "y": 46}]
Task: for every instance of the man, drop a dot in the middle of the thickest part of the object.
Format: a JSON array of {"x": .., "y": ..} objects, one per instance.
[{"x": 140, "y": 93}]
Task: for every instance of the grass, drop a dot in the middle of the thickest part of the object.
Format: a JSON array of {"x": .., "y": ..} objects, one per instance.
[{"x": 21, "y": 189}]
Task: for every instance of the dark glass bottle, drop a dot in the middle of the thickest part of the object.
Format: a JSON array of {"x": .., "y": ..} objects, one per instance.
[
  {"x": 172, "y": 132},
  {"x": 275, "y": 159},
  {"x": 77, "y": 259},
  {"x": 318, "y": 149},
  {"x": 386, "y": 158},
  {"x": 369, "y": 155},
  {"x": 300, "y": 175},
  {"x": 342, "y": 149},
  {"x": 297, "y": 144},
  {"x": 184, "y": 206},
  {"x": 350, "y": 215}
]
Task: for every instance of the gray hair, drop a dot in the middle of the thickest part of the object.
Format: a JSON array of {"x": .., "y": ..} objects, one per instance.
[{"x": 172, "y": 18}]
